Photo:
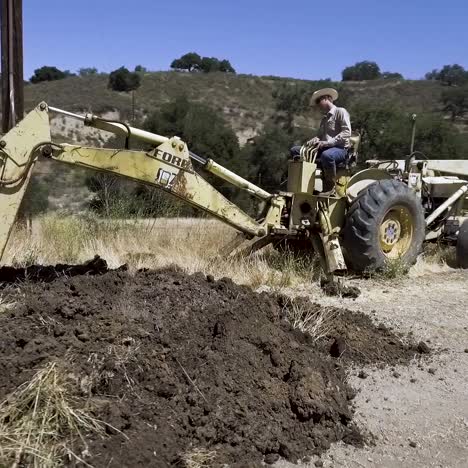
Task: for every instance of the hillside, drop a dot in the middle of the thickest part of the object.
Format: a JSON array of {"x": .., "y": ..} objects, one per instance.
[{"x": 246, "y": 103}]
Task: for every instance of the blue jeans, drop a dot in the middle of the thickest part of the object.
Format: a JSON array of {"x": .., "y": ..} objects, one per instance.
[{"x": 328, "y": 159}]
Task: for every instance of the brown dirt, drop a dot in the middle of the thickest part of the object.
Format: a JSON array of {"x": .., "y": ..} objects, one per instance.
[
  {"x": 177, "y": 362},
  {"x": 48, "y": 273}
]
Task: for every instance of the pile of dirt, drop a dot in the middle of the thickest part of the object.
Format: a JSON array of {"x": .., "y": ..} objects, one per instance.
[
  {"x": 176, "y": 363},
  {"x": 355, "y": 339},
  {"x": 48, "y": 273}
]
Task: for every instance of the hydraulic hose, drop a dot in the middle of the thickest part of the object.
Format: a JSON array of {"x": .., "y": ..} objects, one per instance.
[{"x": 27, "y": 166}]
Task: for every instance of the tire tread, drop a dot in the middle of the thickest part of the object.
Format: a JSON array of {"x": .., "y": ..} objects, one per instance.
[
  {"x": 360, "y": 234},
  {"x": 462, "y": 245}
]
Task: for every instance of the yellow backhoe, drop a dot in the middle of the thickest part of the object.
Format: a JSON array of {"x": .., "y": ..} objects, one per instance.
[{"x": 383, "y": 212}]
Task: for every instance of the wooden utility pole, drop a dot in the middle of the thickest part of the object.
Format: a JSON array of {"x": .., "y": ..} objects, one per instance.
[{"x": 12, "y": 63}]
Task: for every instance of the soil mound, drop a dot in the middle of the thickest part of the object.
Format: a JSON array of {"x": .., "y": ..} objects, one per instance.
[
  {"x": 47, "y": 273},
  {"x": 178, "y": 363}
]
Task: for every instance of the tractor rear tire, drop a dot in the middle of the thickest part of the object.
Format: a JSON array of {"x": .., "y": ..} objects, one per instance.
[
  {"x": 385, "y": 222},
  {"x": 462, "y": 245}
]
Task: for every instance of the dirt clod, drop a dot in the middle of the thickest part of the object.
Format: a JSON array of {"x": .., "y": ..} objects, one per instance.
[
  {"x": 423, "y": 348},
  {"x": 271, "y": 458},
  {"x": 95, "y": 266},
  {"x": 333, "y": 288},
  {"x": 338, "y": 347}
]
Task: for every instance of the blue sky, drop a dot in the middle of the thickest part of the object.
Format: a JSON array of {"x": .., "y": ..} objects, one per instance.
[{"x": 297, "y": 38}]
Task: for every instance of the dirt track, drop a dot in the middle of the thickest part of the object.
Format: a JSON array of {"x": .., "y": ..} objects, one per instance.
[
  {"x": 176, "y": 363},
  {"x": 417, "y": 414}
]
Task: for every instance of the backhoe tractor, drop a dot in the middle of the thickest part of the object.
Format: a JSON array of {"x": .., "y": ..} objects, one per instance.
[{"x": 380, "y": 213}]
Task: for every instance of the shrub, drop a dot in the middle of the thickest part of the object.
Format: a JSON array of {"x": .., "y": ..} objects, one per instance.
[
  {"x": 361, "y": 71},
  {"x": 193, "y": 62},
  {"x": 47, "y": 73},
  {"x": 123, "y": 79}
]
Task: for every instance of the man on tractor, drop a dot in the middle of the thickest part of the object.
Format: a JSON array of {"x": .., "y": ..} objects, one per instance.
[{"x": 333, "y": 138}]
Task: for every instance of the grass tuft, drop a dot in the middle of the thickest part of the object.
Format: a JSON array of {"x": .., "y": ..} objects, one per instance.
[
  {"x": 315, "y": 321},
  {"x": 199, "y": 458},
  {"x": 40, "y": 421},
  {"x": 394, "y": 268}
]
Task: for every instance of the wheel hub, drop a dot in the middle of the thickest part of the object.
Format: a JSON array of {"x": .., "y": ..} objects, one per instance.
[
  {"x": 396, "y": 232},
  {"x": 390, "y": 232}
]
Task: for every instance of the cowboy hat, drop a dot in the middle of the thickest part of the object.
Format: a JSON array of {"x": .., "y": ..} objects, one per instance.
[{"x": 333, "y": 93}]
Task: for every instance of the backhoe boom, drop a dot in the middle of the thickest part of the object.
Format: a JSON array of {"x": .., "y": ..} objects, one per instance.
[{"x": 167, "y": 167}]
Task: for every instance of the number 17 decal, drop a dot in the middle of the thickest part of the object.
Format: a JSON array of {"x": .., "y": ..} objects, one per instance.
[{"x": 165, "y": 178}]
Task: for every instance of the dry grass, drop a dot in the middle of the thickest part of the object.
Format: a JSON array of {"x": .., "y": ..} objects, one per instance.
[
  {"x": 302, "y": 315},
  {"x": 394, "y": 269},
  {"x": 436, "y": 258},
  {"x": 40, "y": 421},
  {"x": 191, "y": 244},
  {"x": 199, "y": 458},
  {"x": 6, "y": 303}
]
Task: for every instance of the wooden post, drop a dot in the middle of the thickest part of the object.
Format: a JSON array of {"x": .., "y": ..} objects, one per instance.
[{"x": 12, "y": 63}]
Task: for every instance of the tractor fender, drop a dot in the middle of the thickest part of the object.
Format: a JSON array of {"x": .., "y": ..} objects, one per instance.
[{"x": 362, "y": 179}]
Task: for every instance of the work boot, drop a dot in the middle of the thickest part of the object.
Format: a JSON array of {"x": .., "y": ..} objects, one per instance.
[{"x": 329, "y": 182}]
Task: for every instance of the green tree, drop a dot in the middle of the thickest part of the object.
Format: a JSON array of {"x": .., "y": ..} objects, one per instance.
[
  {"x": 124, "y": 80},
  {"x": 386, "y": 133},
  {"x": 266, "y": 157},
  {"x": 432, "y": 75},
  {"x": 453, "y": 75},
  {"x": 226, "y": 67},
  {"x": 205, "y": 132},
  {"x": 385, "y": 130},
  {"x": 209, "y": 64},
  {"x": 190, "y": 62},
  {"x": 87, "y": 71},
  {"x": 361, "y": 71},
  {"x": 140, "y": 69},
  {"x": 193, "y": 62},
  {"x": 438, "y": 139},
  {"x": 455, "y": 101},
  {"x": 292, "y": 97},
  {"x": 392, "y": 76},
  {"x": 202, "y": 128},
  {"x": 47, "y": 73},
  {"x": 450, "y": 75}
]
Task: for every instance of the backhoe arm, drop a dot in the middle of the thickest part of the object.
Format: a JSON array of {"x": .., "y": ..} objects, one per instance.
[{"x": 167, "y": 167}]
